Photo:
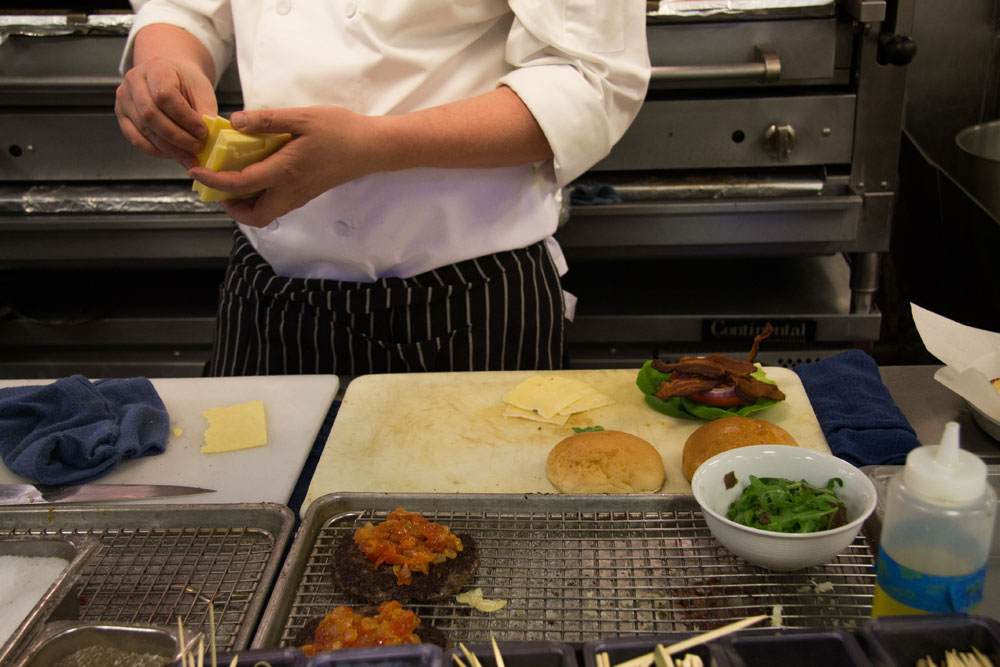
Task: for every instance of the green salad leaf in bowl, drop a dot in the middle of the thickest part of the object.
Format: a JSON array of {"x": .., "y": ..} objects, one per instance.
[{"x": 784, "y": 506}]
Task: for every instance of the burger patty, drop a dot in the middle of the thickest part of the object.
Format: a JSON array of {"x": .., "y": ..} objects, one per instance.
[
  {"x": 353, "y": 574},
  {"x": 428, "y": 633}
]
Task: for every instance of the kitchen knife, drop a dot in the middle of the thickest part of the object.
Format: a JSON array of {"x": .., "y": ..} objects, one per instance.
[{"x": 30, "y": 494}]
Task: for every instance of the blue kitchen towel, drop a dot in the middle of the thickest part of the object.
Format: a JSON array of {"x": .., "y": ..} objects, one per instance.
[
  {"x": 73, "y": 430},
  {"x": 861, "y": 422}
]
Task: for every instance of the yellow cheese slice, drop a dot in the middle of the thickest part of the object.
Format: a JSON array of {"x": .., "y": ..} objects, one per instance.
[
  {"x": 227, "y": 149},
  {"x": 514, "y": 411},
  {"x": 595, "y": 399},
  {"x": 546, "y": 395},
  {"x": 214, "y": 125},
  {"x": 235, "y": 427}
]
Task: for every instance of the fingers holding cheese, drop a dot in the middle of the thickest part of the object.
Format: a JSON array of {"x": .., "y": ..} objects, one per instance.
[
  {"x": 161, "y": 99},
  {"x": 330, "y": 146},
  {"x": 229, "y": 150}
]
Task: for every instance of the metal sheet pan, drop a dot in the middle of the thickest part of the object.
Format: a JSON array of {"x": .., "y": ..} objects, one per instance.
[
  {"x": 75, "y": 550},
  {"x": 576, "y": 568},
  {"x": 158, "y": 563},
  {"x": 61, "y": 640}
]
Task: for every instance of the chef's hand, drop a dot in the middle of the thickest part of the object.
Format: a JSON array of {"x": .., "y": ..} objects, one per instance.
[
  {"x": 330, "y": 146},
  {"x": 159, "y": 105},
  {"x": 160, "y": 101}
]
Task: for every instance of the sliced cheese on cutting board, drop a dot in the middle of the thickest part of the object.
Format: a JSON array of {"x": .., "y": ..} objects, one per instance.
[
  {"x": 552, "y": 399},
  {"x": 235, "y": 427},
  {"x": 446, "y": 432},
  {"x": 227, "y": 149},
  {"x": 519, "y": 413}
]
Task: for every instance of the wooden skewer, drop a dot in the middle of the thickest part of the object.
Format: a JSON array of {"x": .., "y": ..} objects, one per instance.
[
  {"x": 211, "y": 624},
  {"x": 470, "y": 656},
  {"x": 647, "y": 659},
  {"x": 180, "y": 638},
  {"x": 496, "y": 652},
  {"x": 454, "y": 656}
]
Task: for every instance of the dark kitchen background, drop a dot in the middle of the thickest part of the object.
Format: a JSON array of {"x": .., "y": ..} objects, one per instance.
[{"x": 823, "y": 199}]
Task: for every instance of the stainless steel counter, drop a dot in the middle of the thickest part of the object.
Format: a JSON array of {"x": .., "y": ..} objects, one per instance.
[{"x": 929, "y": 405}]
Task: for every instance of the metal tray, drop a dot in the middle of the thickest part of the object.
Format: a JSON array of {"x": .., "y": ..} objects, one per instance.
[
  {"x": 576, "y": 568},
  {"x": 59, "y": 600},
  {"x": 158, "y": 563},
  {"x": 61, "y": 640}
]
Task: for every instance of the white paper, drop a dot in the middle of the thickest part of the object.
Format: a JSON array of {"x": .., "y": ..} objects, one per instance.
[{"x": 971, "y": 357}]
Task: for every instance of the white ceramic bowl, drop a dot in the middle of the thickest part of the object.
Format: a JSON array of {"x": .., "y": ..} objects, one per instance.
[{"x": 772, "y": 550}]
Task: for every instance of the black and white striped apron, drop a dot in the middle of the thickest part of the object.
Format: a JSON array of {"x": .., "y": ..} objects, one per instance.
[{"x": 498, "y": 312}]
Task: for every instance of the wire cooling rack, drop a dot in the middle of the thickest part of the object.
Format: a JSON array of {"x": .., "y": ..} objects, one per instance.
[
  {"x": 574, "y": 569},
  {"x": 160, "y": 563}
]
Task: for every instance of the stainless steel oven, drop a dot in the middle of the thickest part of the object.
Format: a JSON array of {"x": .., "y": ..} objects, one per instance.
[{"x": 756, "y": 184}]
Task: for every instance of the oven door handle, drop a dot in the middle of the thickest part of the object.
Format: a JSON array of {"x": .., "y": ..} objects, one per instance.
[
  {"x": 766, "y": 67},
  {"x": 94, "y": 82}
]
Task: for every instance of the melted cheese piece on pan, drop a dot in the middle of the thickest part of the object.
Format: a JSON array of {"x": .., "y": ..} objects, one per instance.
[
  {"x": 227, "y": 149},
  {"x": 235, "y": 427}
]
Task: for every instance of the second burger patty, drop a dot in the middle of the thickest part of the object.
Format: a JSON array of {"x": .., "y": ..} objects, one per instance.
[{"x": 353, "y": 574}]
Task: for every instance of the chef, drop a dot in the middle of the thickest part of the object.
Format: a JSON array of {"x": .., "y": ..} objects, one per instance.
[{"x": 407, "y": 225}]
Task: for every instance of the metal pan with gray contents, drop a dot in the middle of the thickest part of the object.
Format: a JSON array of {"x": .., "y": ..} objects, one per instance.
[{"x": 46, "y": 569}]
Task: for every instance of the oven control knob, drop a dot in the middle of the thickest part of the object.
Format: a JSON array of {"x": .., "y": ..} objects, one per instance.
[
  {"x": 779, "y": 141},
  {"x": 895, "y": 49}
]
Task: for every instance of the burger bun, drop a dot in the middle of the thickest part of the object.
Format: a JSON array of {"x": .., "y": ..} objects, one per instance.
[
  {"x": 727, "y": 433},
  {"x": 605, "y": 462}
]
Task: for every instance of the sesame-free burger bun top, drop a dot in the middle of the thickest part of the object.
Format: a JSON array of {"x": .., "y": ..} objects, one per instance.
[
  {"x": 605, "y": 462},
  {"x": 720, "y": 435}
]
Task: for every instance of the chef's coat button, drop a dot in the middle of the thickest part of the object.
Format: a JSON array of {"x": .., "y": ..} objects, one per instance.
[
  {"x": 341, "y": 228},
  {"x": 350, "y": 9},
  {"x": 273, "y": 225},
  {"x": 284, "y": 6}
]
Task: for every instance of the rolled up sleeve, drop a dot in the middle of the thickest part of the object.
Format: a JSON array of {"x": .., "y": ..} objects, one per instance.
[
  {"x": 582, "y": 69},
  {"x": 210, "y": 21}
]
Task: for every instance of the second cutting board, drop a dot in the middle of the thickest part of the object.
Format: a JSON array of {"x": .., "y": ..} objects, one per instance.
[{"x": 445, "y": 432}]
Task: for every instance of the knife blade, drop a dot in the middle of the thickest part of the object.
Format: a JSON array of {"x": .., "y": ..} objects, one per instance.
[{"x": 30, "y": 494}]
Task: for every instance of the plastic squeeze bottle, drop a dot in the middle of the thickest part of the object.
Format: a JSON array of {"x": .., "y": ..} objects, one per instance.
[{"x": 936, "y": 532}]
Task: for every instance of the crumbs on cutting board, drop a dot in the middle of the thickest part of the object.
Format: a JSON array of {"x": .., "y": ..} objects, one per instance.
[
  {"x": 178, "y": 432},
  {"x": 235, "y": 427}
]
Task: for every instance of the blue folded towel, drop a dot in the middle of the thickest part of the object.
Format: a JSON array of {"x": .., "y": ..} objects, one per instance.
[
  {"x": 861, "y": 422},
  {"x": 73, "y": 430}
]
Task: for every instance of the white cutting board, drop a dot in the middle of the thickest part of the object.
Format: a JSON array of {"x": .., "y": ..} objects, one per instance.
[
  {"x": 445, "y": 432},
  {"x": 294, "y": 408}
]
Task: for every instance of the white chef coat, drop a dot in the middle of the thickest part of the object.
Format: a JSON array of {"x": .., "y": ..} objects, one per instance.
[{"x": 580, "y": 66}]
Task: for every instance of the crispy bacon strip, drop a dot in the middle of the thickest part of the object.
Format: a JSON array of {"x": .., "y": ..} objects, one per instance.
[
  {"x": 684, "y": 386},
  {"x": 733, "y": 366},
  {"x": 705, "y": 367},
  {"x": 750, "y": 389},
  {"x": 768, "y": 330}
]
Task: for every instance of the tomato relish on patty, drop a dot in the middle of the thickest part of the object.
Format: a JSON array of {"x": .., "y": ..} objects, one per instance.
[{"x": 407, "y": 541}]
